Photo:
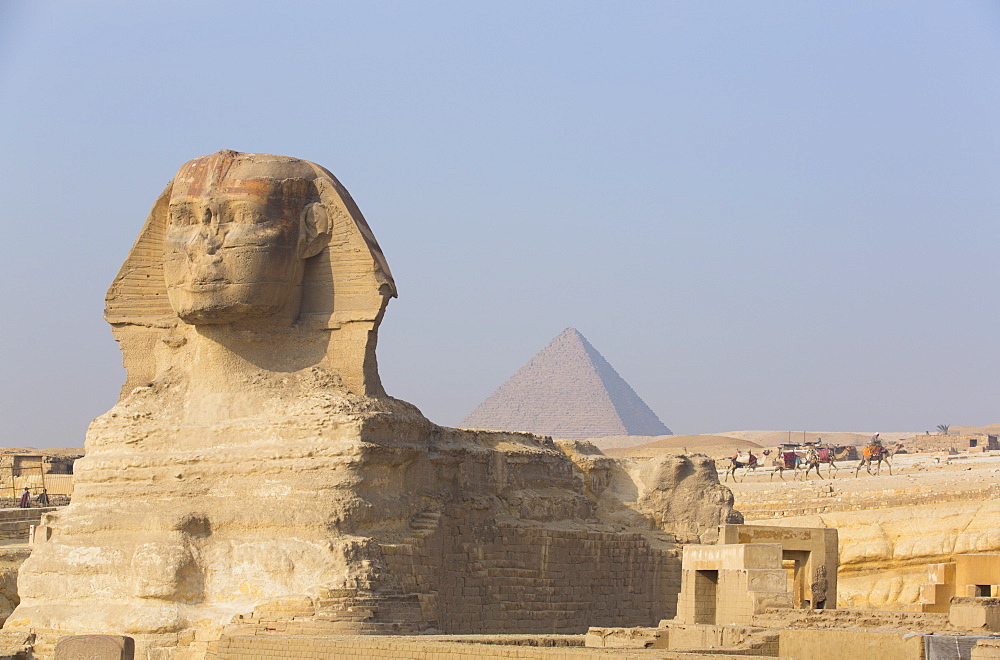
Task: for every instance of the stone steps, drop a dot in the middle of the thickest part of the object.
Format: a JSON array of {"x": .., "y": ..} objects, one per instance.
[
  {"x": 425, "y": 524},
  {"x": 15, "y": 645}
]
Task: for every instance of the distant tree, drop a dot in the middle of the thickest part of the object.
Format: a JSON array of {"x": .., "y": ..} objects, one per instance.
[{"x": 943, "y": 429}]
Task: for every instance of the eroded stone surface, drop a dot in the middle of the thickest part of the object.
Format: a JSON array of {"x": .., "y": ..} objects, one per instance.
[{"x": 95, "y": 647}]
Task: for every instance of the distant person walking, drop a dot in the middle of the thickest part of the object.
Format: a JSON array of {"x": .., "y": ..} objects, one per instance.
[
  {"x": 42, "y": 498},
  {"x": 25, "y": 499}
]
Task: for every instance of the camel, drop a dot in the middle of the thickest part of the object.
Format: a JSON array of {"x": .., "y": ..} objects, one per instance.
[
  {"x": 810, "y": 459},
  {"x": 830, "y": 455},
  {"x": 786, "y": 460},
  {"x": 877, "y": 453},
  {"x": 747, "y": 460}
]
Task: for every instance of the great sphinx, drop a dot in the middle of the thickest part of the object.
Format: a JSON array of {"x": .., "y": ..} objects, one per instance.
[{"x": 254, "y": 460}]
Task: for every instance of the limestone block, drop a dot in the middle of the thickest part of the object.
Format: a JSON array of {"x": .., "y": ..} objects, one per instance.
[
  {"x": 11, "y": 559},
  {"x": 731, "y": 557},
  {"x": 973, "y": 613},
  {"x": 937, "y": 593},
  {"x": 15, "y": 645},
  {"x": 761, "y": 555},
  {"x": 977, "y": 569},
  {"x": 943, "y": 573},
  {"x": 625, "y": 638},
  {"x": 766, "y": 579},
  {"x": 760, "y": 600},
  {"x": 95, "y": 647},
  {"x": 804, "y": 644},
  {"x": 986, "y": 649}
]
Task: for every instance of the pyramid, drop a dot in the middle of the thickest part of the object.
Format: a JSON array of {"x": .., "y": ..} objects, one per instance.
[{"x": 568, "y": 390}]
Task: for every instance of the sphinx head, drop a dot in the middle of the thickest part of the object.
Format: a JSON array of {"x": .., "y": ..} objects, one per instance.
[
  {"x": 245, "y": 241},
  {"x": 239, "y": 229}
]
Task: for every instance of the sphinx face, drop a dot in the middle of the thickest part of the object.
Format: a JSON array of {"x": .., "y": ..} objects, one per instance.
[{"x": 230, "y": 250}]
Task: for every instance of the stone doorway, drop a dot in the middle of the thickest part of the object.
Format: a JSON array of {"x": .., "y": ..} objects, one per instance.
[
  {"x": 795, "y": 562},
  {"x": 706, "y": 587}
]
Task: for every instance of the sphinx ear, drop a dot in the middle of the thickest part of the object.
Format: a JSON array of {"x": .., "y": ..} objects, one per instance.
[{"x": 314, "y": 230}]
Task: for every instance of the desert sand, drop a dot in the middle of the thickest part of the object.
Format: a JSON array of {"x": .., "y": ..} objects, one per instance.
[{"x": 716, "y": 446}]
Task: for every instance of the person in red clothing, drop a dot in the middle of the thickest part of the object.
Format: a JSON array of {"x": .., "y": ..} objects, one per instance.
[{"x": 25, "y": 498}]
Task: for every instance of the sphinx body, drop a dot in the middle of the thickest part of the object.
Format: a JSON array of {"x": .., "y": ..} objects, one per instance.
[
  {"x": 220, "y": 475},
  {"x": 254, "y": 457}
]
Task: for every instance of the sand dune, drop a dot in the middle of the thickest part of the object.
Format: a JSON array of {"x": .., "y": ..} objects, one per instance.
[
  {"x": 625, "y": 441},
  {"x": 712, "y": 445},
  {"x": 615, "y": 445}
]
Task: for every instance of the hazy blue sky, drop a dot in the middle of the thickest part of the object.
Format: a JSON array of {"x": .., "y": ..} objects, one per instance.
[{"x": 765, "y": 215}]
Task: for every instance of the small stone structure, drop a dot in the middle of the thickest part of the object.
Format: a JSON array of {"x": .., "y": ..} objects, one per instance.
[
  {"x": 960, "y": 442},
  {"x": 975, "y": 612},
  {"x": 728, "y": 584},
  {"x": 968, "y": 576},
  {"x": 732, "y": 603},
  {"x": 811, "y": 554},
  {"x": 755, "y": 567},
  {"x": 255, "y": 479}
]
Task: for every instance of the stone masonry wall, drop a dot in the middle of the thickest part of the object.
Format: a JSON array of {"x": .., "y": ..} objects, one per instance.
[
  {"x": 425, "y": 648},
  {"x": 15, "y": 524},
  {"x": 536, "y": 580},
  {"x": 302, "y": 647}
]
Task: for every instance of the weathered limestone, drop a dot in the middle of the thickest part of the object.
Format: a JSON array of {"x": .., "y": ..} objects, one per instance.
[
  {"x": 986, "y": 649},
  {"x": 812, "y": 551},
  {"x": 95, "y": 647},
  {"x": 11, "y": 558},
  {"x": 813, "y": 634},
  {"x": 889, "y": 539},
  {"x": 265, "y": 258},
  {"x": 967, "y": 576},
  {"x": 254, "y": 477},
  {"x": 825, "y": 644},
  {"x": 975, "y": 612},
  {"x": 728, "y": 584}
]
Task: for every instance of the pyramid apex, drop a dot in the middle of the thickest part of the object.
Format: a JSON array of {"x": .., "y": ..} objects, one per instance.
[{"x": 570, "y": 332}]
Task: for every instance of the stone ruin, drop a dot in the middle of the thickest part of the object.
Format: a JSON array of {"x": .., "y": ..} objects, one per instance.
[
  {"x": 754, "y": 568},
  {"x": 254, "y": 477}
]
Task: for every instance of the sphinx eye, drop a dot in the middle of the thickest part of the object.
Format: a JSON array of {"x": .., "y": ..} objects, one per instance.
[{"x": 246, "y": 216}]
